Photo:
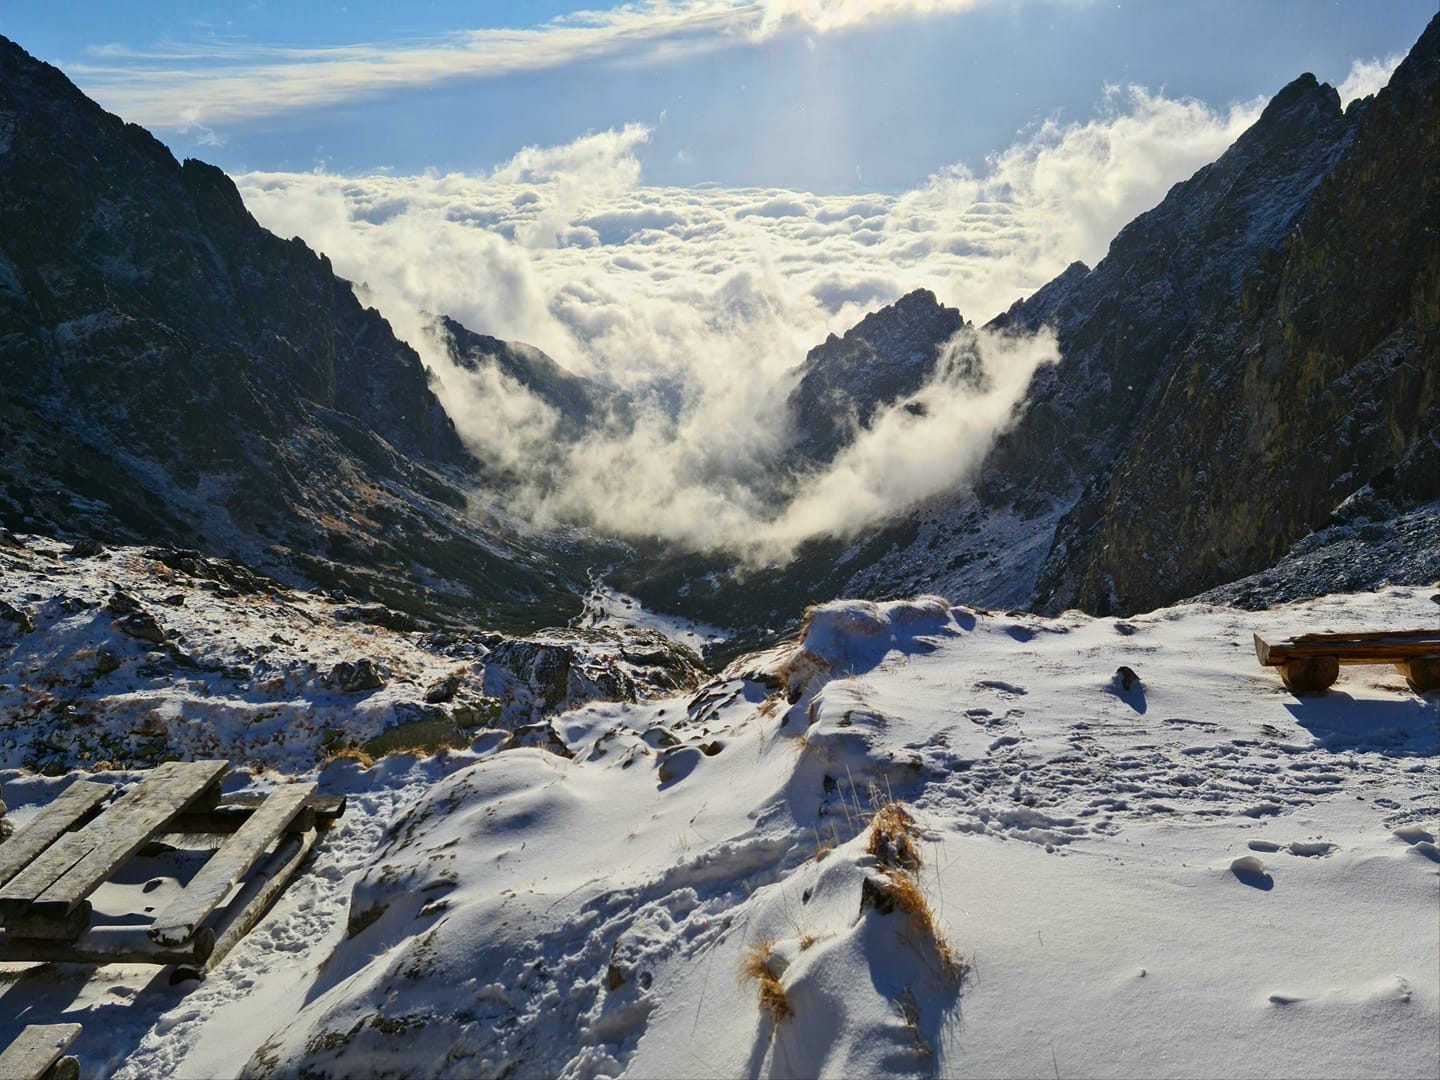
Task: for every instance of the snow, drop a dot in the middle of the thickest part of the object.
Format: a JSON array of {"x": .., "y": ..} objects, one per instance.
[
  {"x": 1197, "y": 874},
  {"x": 608, "y": 607}
]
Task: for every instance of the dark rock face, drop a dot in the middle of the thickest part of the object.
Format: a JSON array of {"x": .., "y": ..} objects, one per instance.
[
  {"x": 1250, "y": 354},
  {"x": 580, "y": 402},
  {"x": 889, "y": 356},
  {"x": 1316, "y": 375},
  {"x": 174, "y": 373}
]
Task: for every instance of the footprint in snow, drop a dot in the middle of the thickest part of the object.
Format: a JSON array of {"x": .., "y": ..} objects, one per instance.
[
  {"x": 1311, "y": 848},
  {"x": 1249, "y": 870},
  {"x": 1002, "y": 687}
]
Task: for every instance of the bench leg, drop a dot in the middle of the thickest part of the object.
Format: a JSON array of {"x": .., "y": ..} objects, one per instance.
[
  {"x": 1309, "y": 673},
  {"x": 1421, "y": 672}
]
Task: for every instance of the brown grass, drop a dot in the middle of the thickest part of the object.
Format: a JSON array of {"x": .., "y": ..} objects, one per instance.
[
  {"x": 755, "y": 964},
  {"x": 905, "y": 894},
  {"x": 350, "y": 753},
  {"x": 893, "y": 833}
]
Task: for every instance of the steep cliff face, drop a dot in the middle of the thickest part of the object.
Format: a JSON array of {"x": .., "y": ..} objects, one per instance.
[
  {"x": 174, "y": 373},
  {"x": 1315, "y": 379},
  {"x": 1256, "y": 351},
  {"x": 579, "y": 403}
]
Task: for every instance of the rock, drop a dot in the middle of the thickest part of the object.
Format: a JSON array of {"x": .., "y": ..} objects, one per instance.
[
  {"x": 355, "y": 676},
  {"x": 426, "y": 728},
  {"x": 122, "y": 603},
  {"x": 19, "y": 616},
  {"x": 106, "y": 661},
  {"x": 377, "y": 615},
  {"x": 444, "y": 690},
  {"x": 142, "y": 626},
  {"x": 540, "y": 736},
  {"x": 677, "y": 763},
  {"x": 87, "y": 549},
  {"x": 876, "y": 894}
]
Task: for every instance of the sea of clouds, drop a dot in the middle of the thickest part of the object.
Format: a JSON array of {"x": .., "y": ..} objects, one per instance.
[{"x": 701, "y": 303}]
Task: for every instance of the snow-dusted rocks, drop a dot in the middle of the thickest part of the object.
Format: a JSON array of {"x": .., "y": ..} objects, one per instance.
[
  {"x": 1087, "y": 851},
  {"x": 151, "y": 653}
]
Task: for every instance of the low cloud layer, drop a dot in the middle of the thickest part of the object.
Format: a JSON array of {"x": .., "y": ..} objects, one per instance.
[{"x": 702, "y": 302}]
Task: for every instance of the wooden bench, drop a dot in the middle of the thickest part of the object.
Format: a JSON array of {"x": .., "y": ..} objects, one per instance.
[
  {"x": 1312, "y": 661},
  {"x": 51, "y": 866},
  {"x": 39, "y": 1054}
]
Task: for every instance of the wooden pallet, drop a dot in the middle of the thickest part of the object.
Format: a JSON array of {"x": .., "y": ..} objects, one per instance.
[
  {"x": 1311, "y": 662},
  {"x": 39, "y": 1054},
  {"x": 50, "y": 868}
]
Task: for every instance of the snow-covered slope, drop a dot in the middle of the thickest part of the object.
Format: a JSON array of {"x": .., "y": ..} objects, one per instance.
[
  {"x": 123, "y": 657},
  {"x": 1139, "y": 854}
]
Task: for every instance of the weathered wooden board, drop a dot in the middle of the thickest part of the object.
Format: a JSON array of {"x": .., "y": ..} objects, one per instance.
[
  {"x": 259, "y": 893},
  {"x": 1351, "y": 648},
  {"x": 106, "y": 945},
  {"x": 66, "y": 928},
  {"x": 76, "y": 805},
  {"x": 320, "y": 811},
  {"x": 55, "y": 883},
  {"x": 37, "y": 1048},
  {"x": 1370, "y": 635},
  {"x": 229, "y": 864}
]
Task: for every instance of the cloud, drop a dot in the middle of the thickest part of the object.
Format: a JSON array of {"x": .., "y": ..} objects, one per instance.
[
  {"x": 702, "y": 302},
  {"x": 227, "y": 82},
  {"x": 1368, "y": 77}
]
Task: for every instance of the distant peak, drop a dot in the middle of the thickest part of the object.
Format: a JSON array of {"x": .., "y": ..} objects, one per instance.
[{"x": 1304, "y": 95}]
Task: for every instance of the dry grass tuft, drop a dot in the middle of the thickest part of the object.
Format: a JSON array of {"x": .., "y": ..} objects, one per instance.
[
  {"x": 893, "y": 833},
  {"x": 349, "y": 753},
  {"x": 755, "y": 964},
  {"x": 904, "y": 894}
]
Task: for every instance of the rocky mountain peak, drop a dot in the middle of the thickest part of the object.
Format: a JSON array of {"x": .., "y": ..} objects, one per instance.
[
  {"x": 890, "y": 354},
  {"x": 174, "y": 373}
]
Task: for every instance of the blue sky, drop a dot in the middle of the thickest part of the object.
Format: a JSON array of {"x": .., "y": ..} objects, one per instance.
[{"x": 828, "y": 96}]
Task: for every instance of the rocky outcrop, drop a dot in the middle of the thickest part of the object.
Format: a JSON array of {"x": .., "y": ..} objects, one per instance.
[
  {"x": 579, "y": 403},
  {"x": 1249, "y": 355},
  {"x": 889, "y": 356},
  {"x": 1316, "y": 375},
  {"x": 174, "y": 373}
]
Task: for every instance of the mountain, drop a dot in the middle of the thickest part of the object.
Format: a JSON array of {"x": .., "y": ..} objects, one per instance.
[
  {"x": 1253, "y": 360},
  {"x": 580, "y": 403},
  {"x": 173, "y": 373},
  {"x": 890, "y": 355}
]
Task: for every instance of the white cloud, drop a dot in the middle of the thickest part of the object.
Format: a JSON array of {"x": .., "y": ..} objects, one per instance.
[
  {"x": 1368, "y": 77},
  {"x": 704, "y": 300},
  {"x": 227, "y": 82}
]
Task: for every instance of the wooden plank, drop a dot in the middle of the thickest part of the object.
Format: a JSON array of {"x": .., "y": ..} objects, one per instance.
[
  {"x": 76, "y": 805},
  {"x": 106, "y": 945},
  {"x": 228, "y": 865},
  {"x": 1387, "y": 653},
  {"x": 1370, "y": 635},
  {"x": 1262, "y": 650},
  {"x": 17, "y": 894},
  {"x": 260, "y": 892},
  {"x": 66, "y": 928},
  {"x": 320, "y": 811},
  {"x": 37, "y": 1048},
  {"x": 121, "y": 831},
  {"x": 1380, "y": 647}
]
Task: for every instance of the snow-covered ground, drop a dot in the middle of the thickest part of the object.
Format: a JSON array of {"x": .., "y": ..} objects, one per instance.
[{"x": 1197, "y": 874}]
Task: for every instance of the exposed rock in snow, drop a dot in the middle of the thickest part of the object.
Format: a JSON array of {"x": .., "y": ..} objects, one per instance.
[{"x": 1083, "y": 850}]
